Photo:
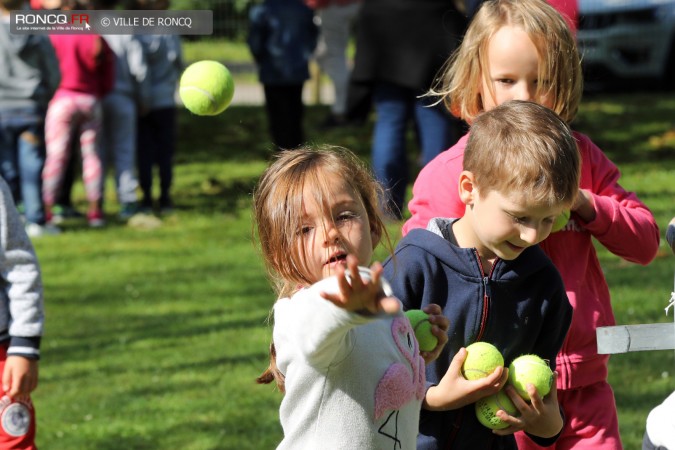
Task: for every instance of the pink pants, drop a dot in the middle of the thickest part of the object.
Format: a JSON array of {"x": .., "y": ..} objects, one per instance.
[
  {"x": 591, "y": 420},
  {"x": 72, "y": 114}
]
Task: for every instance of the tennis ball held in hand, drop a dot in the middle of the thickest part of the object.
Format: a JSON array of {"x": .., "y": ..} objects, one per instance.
[
  {"x": 561, "y": 221},
  {"x": 422, "y": 327},
  {"x": 530, "y": 369},
  {"x": 482, "y": 359},
  {"x": 206, "y": 88},
  {"x": 487, "y": 407}
]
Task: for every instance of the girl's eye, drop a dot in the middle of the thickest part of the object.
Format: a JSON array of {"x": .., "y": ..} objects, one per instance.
[
  {"x": 505, "y": 81},
  {"x": 519, "y": 220},
  {"x": 304, "y": 230},
  {"x": 345, "y": 216}
]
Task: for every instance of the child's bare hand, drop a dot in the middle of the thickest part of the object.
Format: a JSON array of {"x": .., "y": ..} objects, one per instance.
[
  {"x": 541, "y": 417},
  {"x": 584, "y": 206},
  {"x": 358, "y": 295},
  {"x": 454, "y": 391},
  {"x": 439, "y": 328},
  {"x": 20, "y": 377}
]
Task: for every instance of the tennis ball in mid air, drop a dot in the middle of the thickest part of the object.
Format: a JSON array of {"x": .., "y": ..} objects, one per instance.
[
  {"x": 206, "y": 88},
  {"x": 420, "y": 323},
  {"x": 481, "y": 360},
  {"x": 530, "y": 369},
  {"x": 487, "y": 407},
  {"x": 560, "y": 221}
]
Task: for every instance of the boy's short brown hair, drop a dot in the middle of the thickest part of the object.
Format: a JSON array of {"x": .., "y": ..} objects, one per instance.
[{"x": 526, "y": 149}]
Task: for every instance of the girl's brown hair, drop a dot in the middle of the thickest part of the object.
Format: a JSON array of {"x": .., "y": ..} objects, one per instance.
[
  {"x": 559, "y": 62},
  {"x": 278, "y": 205}
]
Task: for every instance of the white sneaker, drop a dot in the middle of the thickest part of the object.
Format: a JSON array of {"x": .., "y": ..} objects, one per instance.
[{"x": 37, "y": 230}]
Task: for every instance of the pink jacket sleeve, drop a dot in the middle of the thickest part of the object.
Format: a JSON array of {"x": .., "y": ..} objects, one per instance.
[
  {"x": 435, "y": 192},
  {"x": 623, "y": 224}
]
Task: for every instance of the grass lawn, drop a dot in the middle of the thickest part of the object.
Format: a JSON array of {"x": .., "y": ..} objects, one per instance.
[{"x": 154, "y": 336}]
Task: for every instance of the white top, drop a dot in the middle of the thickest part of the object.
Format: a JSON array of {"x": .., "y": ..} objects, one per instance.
[
  {"x": 661, "y": 424},
  {"x": 352, "y": 381}
]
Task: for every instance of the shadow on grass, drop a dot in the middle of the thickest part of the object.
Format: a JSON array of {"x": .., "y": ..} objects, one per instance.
[{"x": 629, "y": 128}]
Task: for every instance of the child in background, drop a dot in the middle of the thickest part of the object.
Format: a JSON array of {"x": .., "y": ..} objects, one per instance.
[
  {"x": 29, "y": 76},
  {"x": 157, "y": 125},
  {"x": 63, "y": 208},
  {"x": 282, "y": 37},
  {"x": 491, "y": 279},
  {"x": 87, "y": 75},
  {"x": 336, "y": 21},
  {"x": 120, "y": 117},
  {"x": 122, "y": 107},
  {"x": 523, "y": 49},
  {"x": 21, "y": 325},
  {"x": 660, "y": 424},
  {"x": 343, "y": 353}
]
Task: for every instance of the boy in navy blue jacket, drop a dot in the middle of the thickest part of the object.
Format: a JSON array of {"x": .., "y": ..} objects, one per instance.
[
  {"x": 282, "y": 37},
  {"x": 491, "y": 279}
]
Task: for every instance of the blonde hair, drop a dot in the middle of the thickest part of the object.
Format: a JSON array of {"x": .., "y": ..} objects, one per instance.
[
  {"x": 524, "y": 148},
  {"x": 278, "y": 210},
  {"x": 559, "y": 62}
]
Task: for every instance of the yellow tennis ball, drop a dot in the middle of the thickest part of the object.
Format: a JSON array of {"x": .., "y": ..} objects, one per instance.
[
  {"x": 420, "y": 323},
  {"x": 530, "y": 369},
  {"x": 481, "y": 360},
  {"x": 560, "y": 221},
  {"x": 487, "y": 407},
  {"x": 206, "y": 88}
]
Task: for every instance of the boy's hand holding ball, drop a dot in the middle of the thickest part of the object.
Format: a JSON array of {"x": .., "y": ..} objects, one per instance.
[
  {"x": 561, "y": 221},
  {"x": 422, "y": 328},
  {"x": 481, "y": 360},
  {"x": 431, "y": 330},
  {"x": 487, "y": 407},
  {"x": 537, "y": 414},
  {"x": 530, "y": 369}
]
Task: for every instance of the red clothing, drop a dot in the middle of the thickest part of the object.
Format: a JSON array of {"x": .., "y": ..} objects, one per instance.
[
  {"x": 569, "y": 10},
  {"x": 318, "y": 4},
  {"x": 587, "y": 428},
  {"x": 87, "y": 64},
  {"x": 624, "y": 225}
]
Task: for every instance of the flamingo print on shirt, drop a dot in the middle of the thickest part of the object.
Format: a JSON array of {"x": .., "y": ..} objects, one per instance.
[{"x": 401, "y": 383}]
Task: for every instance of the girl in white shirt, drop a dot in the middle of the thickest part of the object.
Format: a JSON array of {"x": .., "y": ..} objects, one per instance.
[{"x": 343, "y": 352}]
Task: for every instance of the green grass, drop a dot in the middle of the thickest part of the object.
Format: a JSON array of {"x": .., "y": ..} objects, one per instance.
[
  {"x": 154, "y": 337},
  {"x": 218, "y": 49}
]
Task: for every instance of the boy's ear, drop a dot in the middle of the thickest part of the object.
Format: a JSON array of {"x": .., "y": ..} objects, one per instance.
[{"x": 467, "y": 187}]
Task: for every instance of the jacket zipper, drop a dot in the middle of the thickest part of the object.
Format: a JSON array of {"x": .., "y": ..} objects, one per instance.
[
  {"x": 457, "y": 423},
  {"x": 486, "y": 295}
]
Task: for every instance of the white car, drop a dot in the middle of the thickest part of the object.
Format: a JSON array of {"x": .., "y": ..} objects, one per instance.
[{"x": 627, "y": 41}]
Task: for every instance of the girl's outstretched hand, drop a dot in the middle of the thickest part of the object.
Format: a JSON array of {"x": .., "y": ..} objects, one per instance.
[{"x": 359, "y": 295}]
